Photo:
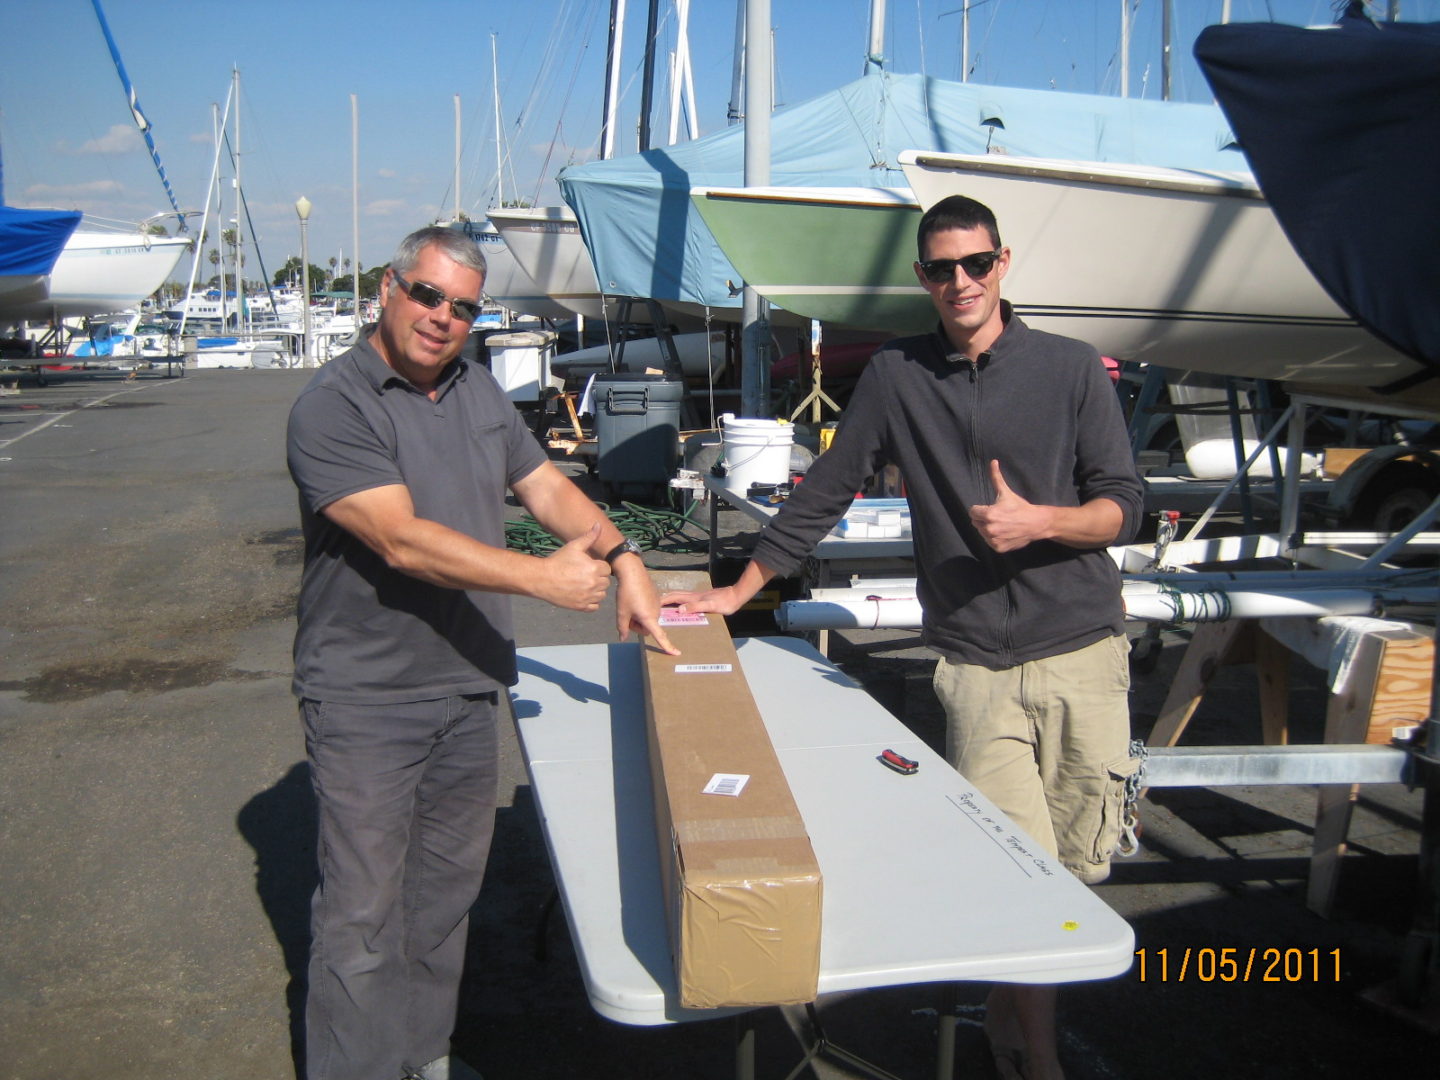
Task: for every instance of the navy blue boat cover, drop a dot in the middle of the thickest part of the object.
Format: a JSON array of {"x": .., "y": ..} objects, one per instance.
[{"x": 1341, "y": 126}]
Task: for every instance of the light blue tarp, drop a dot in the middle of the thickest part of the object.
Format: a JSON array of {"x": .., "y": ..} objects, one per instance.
[{"x": 646, "y": 239}]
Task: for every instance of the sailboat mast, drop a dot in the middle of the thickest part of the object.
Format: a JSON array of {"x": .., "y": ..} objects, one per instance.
[
  {"x": 612, "y": 79},
  {"x": 965, "y": 42},
  {"x": 1167, "y": 13},
  {"x": 220, "y": 217},
  {"x": 212, "y": 191},
  {"x": 875, "y": 54},
  {"x": 354, "y": 202},
  {"x": 240, "y": 313},
  {"x": 1124, "y": 48},
  {"x": 755, "y": 368},
  {"x": 736, "y": 112},
  {"x": 647, "y": 81},
  {"x": 682, "y": 82},
  {"x": 495, "y": 89},
  {"x": 457, "y": 158}
]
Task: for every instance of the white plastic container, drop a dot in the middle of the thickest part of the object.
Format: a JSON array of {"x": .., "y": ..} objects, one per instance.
[
  {"x": 520, "y": 362},
  {"x": 755, "y": 451}
]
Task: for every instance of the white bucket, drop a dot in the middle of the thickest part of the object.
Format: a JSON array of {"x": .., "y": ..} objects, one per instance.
[{"x": 755, "y": 451}]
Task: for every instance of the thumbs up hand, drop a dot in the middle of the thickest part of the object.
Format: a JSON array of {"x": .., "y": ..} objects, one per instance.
[{"x": 1010, "y": 522}]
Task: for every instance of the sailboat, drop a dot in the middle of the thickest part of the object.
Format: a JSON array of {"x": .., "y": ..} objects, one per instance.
[
  {"x": 30, "y": 244},
  {"x": 546, "y": 241},
  {"x": 546, "y": 245},
  {"x": 101, "y": 271},
  {"x": 106, "y": 267},
  {"x": 1196, "y": 274},
  {"x": 843, "y": 255},
  {"x": 505, "y": 282},
  {"x": 649, "y": 237}
]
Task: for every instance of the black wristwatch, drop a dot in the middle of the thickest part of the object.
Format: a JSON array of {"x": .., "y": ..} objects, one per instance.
[{"x": 625, "y": 547}]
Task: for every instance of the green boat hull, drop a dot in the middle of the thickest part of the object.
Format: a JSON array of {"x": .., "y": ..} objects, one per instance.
[{"x": 845, "y": 262}]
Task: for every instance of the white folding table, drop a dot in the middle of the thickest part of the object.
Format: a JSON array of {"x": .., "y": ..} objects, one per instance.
[{"x": 924, "y": 880}]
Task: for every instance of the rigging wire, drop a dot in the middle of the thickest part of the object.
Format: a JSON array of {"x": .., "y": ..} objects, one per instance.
[
  {"x": 540, "y": 96},
  {"x": 141, "y": 121},
  {"x": 254, "y": 239}
]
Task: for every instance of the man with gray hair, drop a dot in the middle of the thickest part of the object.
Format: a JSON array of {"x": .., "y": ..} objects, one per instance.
[{"x": 402, "y": 453}]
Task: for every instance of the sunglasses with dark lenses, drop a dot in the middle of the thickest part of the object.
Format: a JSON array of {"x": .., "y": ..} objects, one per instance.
[
  {"x": 429, "y": 296},
  {"x": 976, "y": 266}
]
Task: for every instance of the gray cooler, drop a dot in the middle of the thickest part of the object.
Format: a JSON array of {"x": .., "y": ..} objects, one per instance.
[{"x": 637, "y": 428}]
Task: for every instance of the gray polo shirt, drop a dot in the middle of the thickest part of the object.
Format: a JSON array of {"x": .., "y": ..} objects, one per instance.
[{"x": 368, "y": 634}]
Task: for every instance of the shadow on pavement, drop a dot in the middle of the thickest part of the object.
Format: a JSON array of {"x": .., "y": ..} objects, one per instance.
[{"x": 279, "y": 823}]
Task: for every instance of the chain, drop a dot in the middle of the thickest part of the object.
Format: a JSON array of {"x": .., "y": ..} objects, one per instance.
[{"x": 1129, "y": 815}]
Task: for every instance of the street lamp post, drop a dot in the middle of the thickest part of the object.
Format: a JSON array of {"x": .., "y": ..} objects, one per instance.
[{"x": 302, "y": 208}]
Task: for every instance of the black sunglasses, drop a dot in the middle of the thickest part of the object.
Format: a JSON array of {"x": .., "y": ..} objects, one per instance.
[
  {"x": 431, "y": 297},
  {"x": 976, "y": 266}
]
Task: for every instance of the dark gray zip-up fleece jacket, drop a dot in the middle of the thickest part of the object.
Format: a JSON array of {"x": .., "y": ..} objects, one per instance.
[{"x": 1043, "y": 406}]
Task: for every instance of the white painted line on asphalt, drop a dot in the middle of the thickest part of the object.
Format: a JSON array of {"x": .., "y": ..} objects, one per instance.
[{"x": 61, "y": 416}]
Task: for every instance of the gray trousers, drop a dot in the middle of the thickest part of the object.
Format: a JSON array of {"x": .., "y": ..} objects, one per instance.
[{"x": 406, "y": 799}]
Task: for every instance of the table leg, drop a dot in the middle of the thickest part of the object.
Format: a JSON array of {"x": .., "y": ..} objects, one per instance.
[
  {"x": 744, "y": 1048},
  {"x": 714, "y": 531},
  {"x": 945, "y": 1039},
  {"x": 822, "y": 1047}
]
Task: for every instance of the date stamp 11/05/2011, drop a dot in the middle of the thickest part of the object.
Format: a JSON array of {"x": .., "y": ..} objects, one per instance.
[{"x": 1241, "y": 963}]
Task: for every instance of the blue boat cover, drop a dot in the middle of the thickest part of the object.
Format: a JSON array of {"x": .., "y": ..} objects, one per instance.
[
  {"x": 1342, "y": 128},
  {"x": 31, "y": 240},
  {"x": 646, "y": 239}
]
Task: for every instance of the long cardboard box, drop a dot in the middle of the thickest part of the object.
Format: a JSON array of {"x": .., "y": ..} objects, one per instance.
[{"x": 743, "y": 887}]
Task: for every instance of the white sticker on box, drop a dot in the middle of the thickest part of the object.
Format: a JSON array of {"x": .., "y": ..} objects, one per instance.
[
  {"x": 726, "y": 784},
  {"x": 701, "y": 669},
  {"x": 670, "y": 617}
]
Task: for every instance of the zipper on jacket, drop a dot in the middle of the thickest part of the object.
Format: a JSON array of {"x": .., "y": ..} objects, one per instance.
[{"x": 982, "y": 466}]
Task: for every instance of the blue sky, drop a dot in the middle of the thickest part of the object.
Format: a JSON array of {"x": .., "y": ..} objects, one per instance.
[{"x": 68, "y": 140}]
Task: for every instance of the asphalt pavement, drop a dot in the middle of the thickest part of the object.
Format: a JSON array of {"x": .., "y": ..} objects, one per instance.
[{"x": 156, "y": 832}]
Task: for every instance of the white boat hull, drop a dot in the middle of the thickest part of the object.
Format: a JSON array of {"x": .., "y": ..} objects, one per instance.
[
  {"x": 18, "y": 290},
  {"x": 508, "y": 285},
  {"x": 99, "y": 273},
  {"x": 1181, "y": 269},
  {"x": 236, "y": 354},
  {"x": 546, "y": 243}
]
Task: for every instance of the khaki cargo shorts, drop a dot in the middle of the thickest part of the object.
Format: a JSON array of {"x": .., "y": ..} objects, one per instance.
[{"x": 1048, "y": 743}]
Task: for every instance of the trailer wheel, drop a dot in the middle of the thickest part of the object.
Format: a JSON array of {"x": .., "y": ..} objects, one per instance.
[
  {"x": 1395, "y": 497},
  {"x": 1145, "y": 653}
]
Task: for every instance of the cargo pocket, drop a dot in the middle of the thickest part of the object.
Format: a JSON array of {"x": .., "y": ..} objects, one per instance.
[{"x": 1117, "y": 833}]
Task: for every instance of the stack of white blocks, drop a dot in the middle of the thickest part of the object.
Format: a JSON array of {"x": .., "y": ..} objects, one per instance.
[{"x": 874, "y": 519}]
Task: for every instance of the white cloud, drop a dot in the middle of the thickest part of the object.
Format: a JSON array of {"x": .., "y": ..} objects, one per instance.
[
  {"x": 65, "y": 192},
  {"x": 386, "y": 207},
  {"x": 120, "y": 139},
  {"x": 386, "y": 174}
]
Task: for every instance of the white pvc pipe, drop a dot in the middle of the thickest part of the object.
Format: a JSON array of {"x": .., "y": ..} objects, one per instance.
[
  {"x": 860, "y": 614},
  {"x": 1222, "y": 605},
  {"x": 891, "y": 609}
]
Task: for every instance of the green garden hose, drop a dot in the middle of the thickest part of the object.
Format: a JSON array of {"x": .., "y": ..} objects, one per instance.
[{"x": 649, "y": 527}]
